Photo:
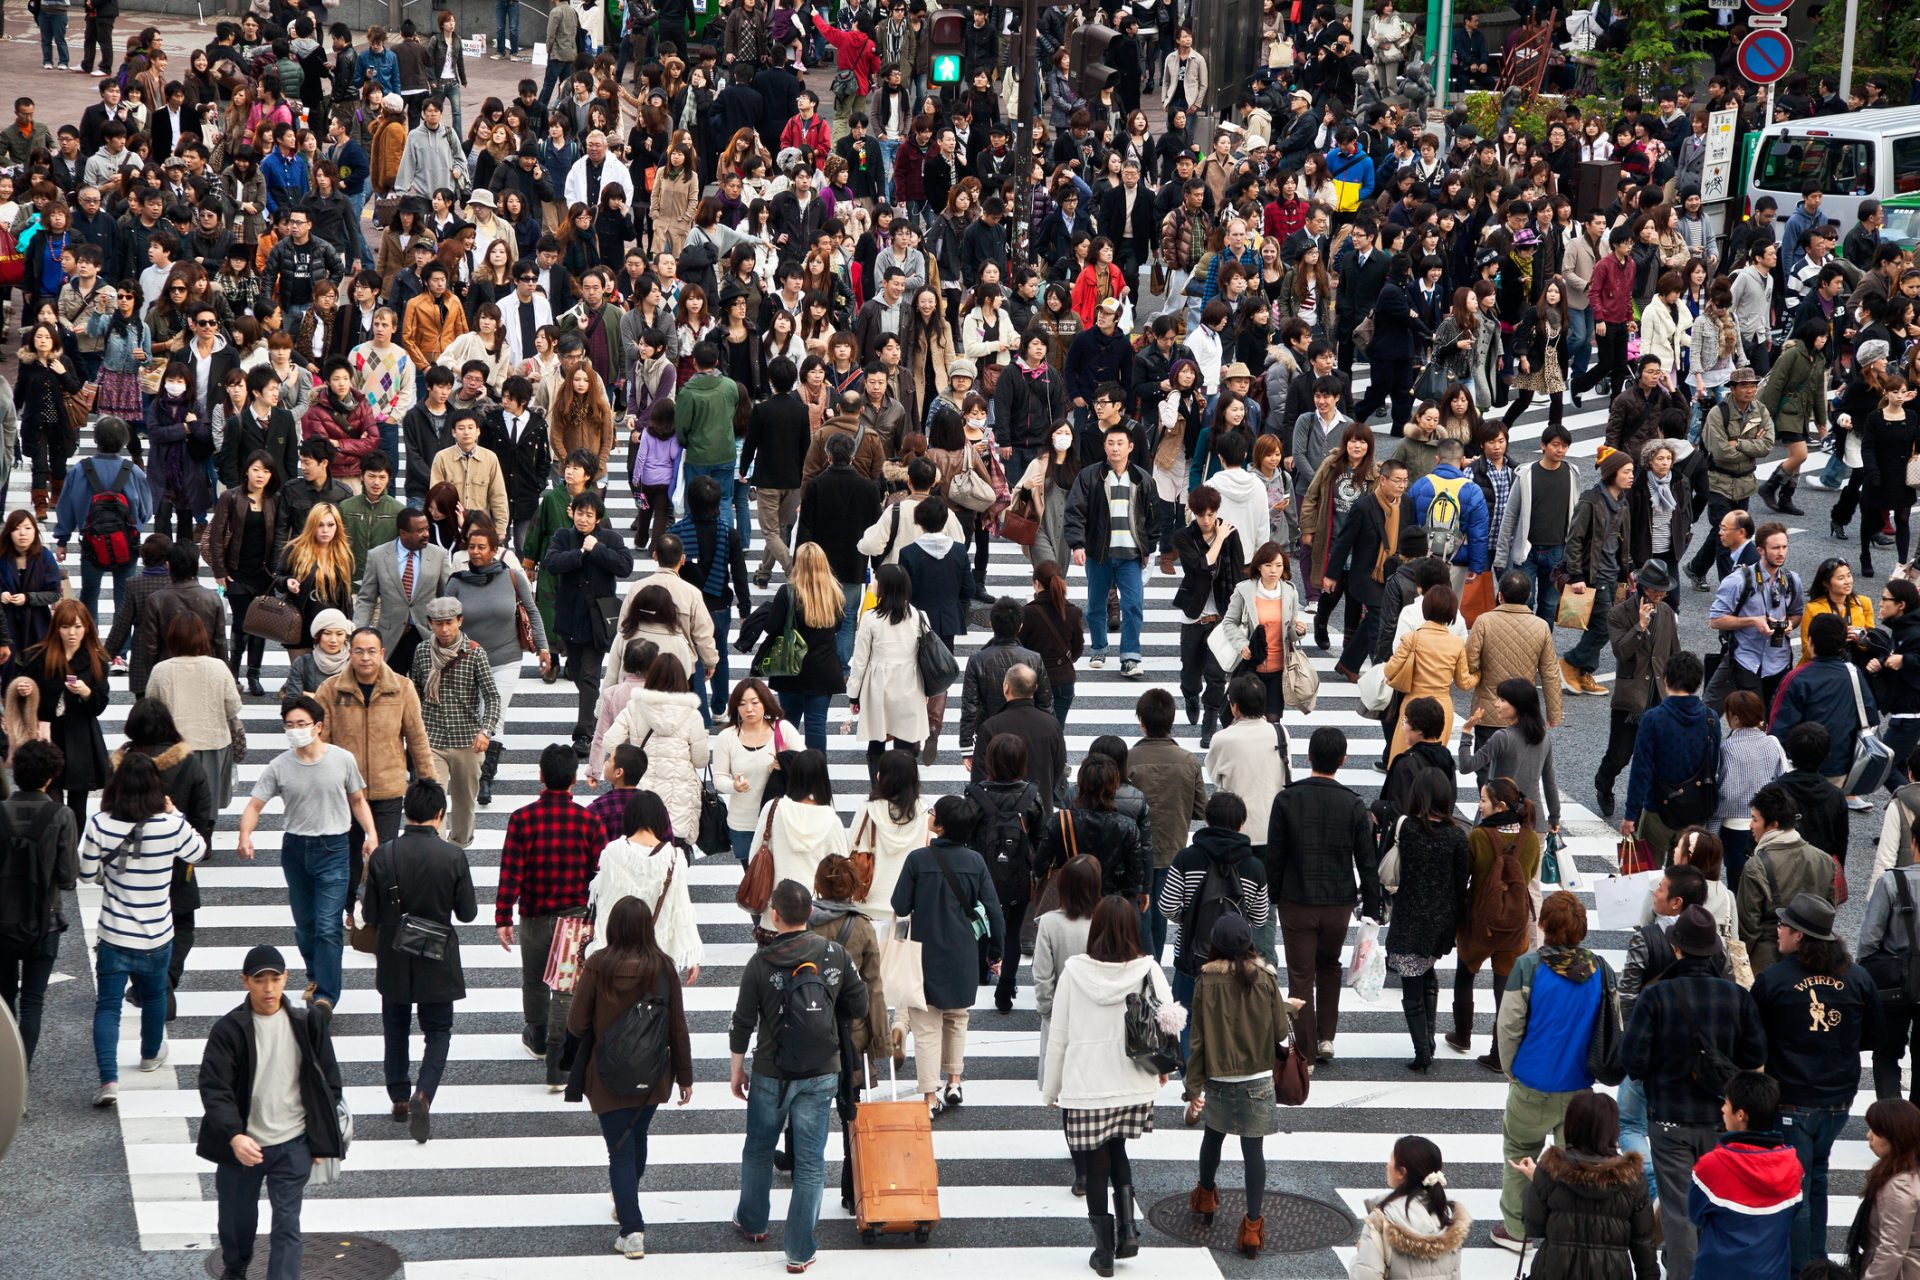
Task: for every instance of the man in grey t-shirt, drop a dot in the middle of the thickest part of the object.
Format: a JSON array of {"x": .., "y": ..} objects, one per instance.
[{"x": 323, "y": 793}]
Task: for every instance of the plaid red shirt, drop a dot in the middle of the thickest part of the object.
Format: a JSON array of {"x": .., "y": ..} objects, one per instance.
[
  {"x": 551, "y": 855},
  {"x": 610, "y": 807}
]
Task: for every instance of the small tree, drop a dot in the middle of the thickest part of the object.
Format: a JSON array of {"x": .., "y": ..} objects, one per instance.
[{"x": 1660, "y": 35}]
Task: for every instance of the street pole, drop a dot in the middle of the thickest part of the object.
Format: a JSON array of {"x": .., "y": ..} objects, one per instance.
[
  {"x": 1443, "y": 63},
  {"x": 1846, "y": 53},
  {"x": 1023, "y": 138}
]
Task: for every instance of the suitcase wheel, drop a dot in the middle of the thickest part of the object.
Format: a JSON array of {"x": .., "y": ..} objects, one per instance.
[
  {"x": 922, "y": 1232},
  {"x": 869, "y": 1234}
]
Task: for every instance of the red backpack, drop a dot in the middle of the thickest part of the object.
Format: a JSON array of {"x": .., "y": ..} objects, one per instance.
[{"x": 108, "y": 536}]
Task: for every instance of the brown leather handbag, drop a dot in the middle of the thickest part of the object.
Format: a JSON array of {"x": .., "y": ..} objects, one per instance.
[
  {"x": 272, "y": 618},
  {"x": 756, "y": 886},
  {"x": 1020, "y": 524}
]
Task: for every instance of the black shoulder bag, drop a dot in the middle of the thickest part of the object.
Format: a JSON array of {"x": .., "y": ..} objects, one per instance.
[{"x": 416, "y": 935}]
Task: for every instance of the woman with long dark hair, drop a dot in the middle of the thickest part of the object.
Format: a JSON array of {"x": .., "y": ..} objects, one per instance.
[
  {"x": 892, "y": 823},
  {"x": 242, "y": 543},
  {"x": 1586, "y": 1200},
  {"x": 1106, "y": 1096},
  {"x": 135, "y": 838},
  {"x": 30, "y": 580},
  {"x": 67, "y": 673},
  {"x": 631, "y": 968},
  {"x": 1884, "y": 1243},
  {"x": 1505, "y": 825},
  {"x": 1435, "y": 870},
  {"x": 1888, "y": 437},
  {"x": 1046, "y": 483},
  {"x": 1522, "y": 751},
  {"x": 1540, "y": 339},
  {"x": 1056, "y": 629},
  {"x": 1414, "y": 1228},
  {"x": 1347, "y": 474}
]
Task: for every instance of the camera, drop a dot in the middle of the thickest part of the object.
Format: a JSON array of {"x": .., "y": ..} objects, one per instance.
[{"x": 1777, "y": 632}]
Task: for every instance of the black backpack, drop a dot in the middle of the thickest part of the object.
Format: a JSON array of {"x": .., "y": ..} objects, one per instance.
[
  {"x": 108, "y": 536},
  {"x": 1896, "y": 973},
  {"x": 809, "y": 1026},
  {"x": 1220, "y": 892},
  {"x": 637, "y": 1049},
  {"x": 29, "y": 900},
  {"x": 1002, "y": 838}
]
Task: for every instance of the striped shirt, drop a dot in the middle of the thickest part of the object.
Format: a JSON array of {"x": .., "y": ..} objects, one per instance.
[
  {"x": 1120, "y": 499},
  {"x": 137, "y": 914}
]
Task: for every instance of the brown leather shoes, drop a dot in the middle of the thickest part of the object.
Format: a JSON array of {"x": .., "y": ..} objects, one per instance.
[
  {"x": 1204, "y": 1201},
  {"x": 1253, "y": 1236}
]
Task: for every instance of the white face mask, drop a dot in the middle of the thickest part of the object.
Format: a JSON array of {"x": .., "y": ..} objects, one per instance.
[
  {"x": 1063, "y": 440},
  {"x": 300, "y": 736},
  {"x": 978, "y": 424},
  {"x": 176, "y": 388}
]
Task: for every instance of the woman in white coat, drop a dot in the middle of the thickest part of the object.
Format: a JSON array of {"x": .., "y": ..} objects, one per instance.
[
  {"x": 800, "y": 828},
  {"x": 1666, "y": 327},
  {"x": 1413, "y": 1232},
  {"x": 1107, "y": 1098},
  {"x": 644, "y": 864},
  {"x": 883, "y": 683},
  {"x": 890, "y": 825},
  {"x": 663, "y": 720},
  {"x": 1262, "y": 621},
  {"x": 745, "y": 754},
  {"x": 1062, "y": 935}
]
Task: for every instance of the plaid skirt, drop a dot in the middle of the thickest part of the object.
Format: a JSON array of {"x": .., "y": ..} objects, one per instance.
[
  {"x": 1089, "y": 1129},
  {"x": 119, "y": 394}
]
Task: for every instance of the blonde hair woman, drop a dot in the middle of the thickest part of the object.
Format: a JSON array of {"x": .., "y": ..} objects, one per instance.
[
  {"x": 316, "y": 570},
  {"x": 822, "y": 604}
]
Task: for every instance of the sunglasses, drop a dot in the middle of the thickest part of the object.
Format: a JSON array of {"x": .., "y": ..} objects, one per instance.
[
  {"x": 527, "y": 279},
  {"x": 205, "y": 324}
]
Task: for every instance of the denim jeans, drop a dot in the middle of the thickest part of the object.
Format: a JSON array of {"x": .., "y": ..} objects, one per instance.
[
  {"x": 1158, "y": 927},
  {"x": 53, "y": 31},
  {"x": 316, "y": 871},
  {"x": 1183, "y": 987},
  {"x": 285, "y": 1168},
  {"x": 23, "y": 988},
  {"x": 1834, "y": 474},
  {"x": 722, "y": 474},
  {"x": 1102, "y": 576},
  {"x": 770, "y": 1105},
  {"x": 436, "y": 1027},
  {"x": 506, "y": 26},
  {"x": 359, "y": 247},
  {"x": 1811, "y": 1131},
  {"x": 742, "y": 842},
  {"x": 1632, "y": 1097},
  {"x": 625, "y": 1133},
  {"x": 888, "y": 149},
  {"x": 809, "y": 711},
  {"x": 1580, "y": 338},
  {"x": 1539, "y": 566},
  {"x": 850, "y": 622},
  {"x": 90, "y": 575},
  {"x": 742, "y": 506},
  {"x": 148, "y": 972},
  {"x": 716, "y": 679},
  {"x": 1062, "y": 702},
  {"x": 1585, "y": 654}
]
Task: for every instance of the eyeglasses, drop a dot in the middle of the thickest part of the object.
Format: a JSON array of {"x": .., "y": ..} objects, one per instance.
[
  {"x": 526, "y": 279},
  {"x": 205, "y": 324}
]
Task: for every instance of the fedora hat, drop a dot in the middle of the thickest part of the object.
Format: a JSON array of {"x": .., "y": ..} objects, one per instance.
[
  {"x": 1808, "y": 914},
  {"x": 1694, "y": 933}
]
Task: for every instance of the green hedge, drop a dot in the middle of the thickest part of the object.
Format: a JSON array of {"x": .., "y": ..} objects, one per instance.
[{"x": 1483, "y": 109}]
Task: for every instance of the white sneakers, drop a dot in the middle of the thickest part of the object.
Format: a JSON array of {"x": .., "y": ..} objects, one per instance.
[
  {"x": 107, "y": 1094},
  {"x": 633, "y": 1245},
  {"x": 158, "y": 1060}
]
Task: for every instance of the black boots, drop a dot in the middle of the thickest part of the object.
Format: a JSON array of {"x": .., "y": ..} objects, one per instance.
[
  {"x": 489, "y": 767},
  {"x": 254, "y": 689},
  {"x": 1209, "y": 721},
  {"x": 1101, "y": 1259},
  {"x": 1777, "y": 493},
  {"x": 1126, "y": 1240},
  {"x": 1460, "y": 1039},
  {"x": 1420, "y": 1002}
]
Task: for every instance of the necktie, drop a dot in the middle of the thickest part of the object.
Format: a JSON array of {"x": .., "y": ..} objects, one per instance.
[{"x": 406, "y": 578}]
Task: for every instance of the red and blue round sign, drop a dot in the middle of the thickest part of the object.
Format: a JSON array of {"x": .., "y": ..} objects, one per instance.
[
  {"x": 1765, "y": 56},
  {"x": 1768, "y": 8}
]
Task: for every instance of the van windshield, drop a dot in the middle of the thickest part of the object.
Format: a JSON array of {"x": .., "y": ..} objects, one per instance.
[
  {"x": 1906, "y": 165},
  {"x": 1842, "y": 166}
]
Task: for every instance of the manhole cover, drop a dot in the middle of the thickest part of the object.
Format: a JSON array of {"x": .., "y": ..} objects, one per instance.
[
  {"x": 1295, "y": 1224},
  {"x": 338, "y": 1258}
]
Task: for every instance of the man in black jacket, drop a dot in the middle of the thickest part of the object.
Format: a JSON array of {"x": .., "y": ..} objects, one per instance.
[
  {"x": 1319, "y": 837},
  {"x": 1046, "y": 745},
  {"x": 526, "y": 453},
  {"x": 836, "y": 507},
  {"x": 1126, "y": 215},
  {"x": 983, "y": 242},
  {"x": 778, "y": 434},
  {"x": 1362, "y": 268},
  {"x": 418, "y": 876},
  {"x": 1111, "y": 527},
  {"x": 270, "y": 1088},
  {"x": 982, "y": 691},
  {"x": 588, "y": 562},
  {"x": 1368, "y": 534}
]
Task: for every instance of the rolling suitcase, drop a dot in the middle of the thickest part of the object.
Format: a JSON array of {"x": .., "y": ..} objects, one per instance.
[{"x": 896, "y": 1185}]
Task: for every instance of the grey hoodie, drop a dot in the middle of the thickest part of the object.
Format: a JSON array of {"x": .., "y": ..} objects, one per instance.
[{"x": 431, "y": 160}]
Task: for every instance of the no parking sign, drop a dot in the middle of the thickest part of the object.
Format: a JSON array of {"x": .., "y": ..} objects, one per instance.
[{"x": 1765, "y": 56}]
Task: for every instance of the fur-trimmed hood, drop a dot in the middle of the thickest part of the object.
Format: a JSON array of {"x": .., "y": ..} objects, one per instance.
[
  {"x": 1409, "y": 1229},
  {"x": 1598, "y": 1175},
  {"x": 1226, "y": 966},
  {"x": 166, "y": 760}
]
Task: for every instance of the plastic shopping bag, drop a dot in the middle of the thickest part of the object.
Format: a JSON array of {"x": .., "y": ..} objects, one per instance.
[
  {"x": 1367, "y": 970},
  {"x": 1618, "y": 899}
]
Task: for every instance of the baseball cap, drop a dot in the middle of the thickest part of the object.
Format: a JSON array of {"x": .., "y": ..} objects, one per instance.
[{"x": 263, "y": 959}]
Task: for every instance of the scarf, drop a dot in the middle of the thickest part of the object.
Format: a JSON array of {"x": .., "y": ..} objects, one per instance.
[
  {"x": 479, "y": 575},
  {"x": 1037, "y": 372},
  {"x": 1575, "y": 964},
  {"x": 329, "y": 664},
  {"x": 444, "y": 656},
  {"x": 1660, "y": 492},
  {"x": 1390, "y": 542}
]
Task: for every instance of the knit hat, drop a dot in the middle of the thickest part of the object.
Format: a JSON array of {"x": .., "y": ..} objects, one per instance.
[
  {"x": 329, "y": 620},
  {"x": 1611, "y": 464},
  {"x": 1231, "y": 936},
  {"x": 395, "y": 103},
  {"x": 1869, "y": 351}
]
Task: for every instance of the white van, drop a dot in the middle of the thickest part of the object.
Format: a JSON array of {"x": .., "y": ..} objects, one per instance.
[{"x": 1864, "y": 155}]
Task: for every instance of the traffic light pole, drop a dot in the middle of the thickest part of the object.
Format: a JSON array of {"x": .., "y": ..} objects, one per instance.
[{"x": 1023, "y": 137}]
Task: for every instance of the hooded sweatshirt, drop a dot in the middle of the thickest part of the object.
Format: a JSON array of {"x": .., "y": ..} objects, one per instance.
[
  {"x": 1243, "y": 504},
  {"x": 1087, "y": 1067},
  {"x": 429, "y": 160},
  {"x": 1742, "y": 1202},
  {"x": 801, "y": 836}
]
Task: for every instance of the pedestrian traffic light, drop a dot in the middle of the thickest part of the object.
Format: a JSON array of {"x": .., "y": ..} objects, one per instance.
[
  {"x": 949, "y": 34},
  {"x": 1090, "y": 70}
]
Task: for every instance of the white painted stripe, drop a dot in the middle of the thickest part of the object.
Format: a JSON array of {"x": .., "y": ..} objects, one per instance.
[{"x": 929, "y": 1262}]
